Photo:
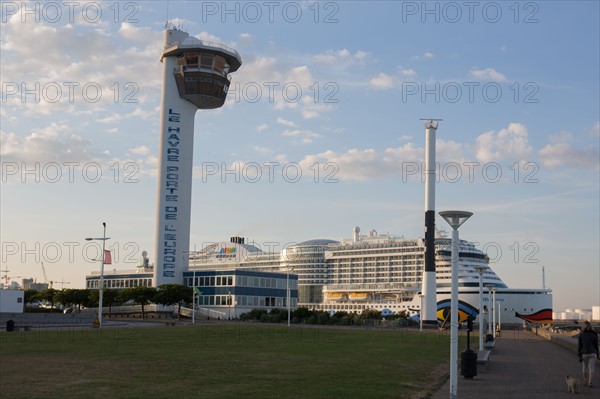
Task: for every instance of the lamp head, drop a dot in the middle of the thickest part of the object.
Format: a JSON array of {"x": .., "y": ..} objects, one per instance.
[{"x": 455, "y": 218}]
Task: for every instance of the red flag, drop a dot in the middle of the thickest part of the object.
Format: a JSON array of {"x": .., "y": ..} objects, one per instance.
[{"x": 107, "y": 257}]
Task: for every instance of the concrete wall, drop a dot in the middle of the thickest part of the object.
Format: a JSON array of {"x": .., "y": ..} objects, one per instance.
[
  {"x": 567, "y": 342},
  {"x": 39, "y": 320},
  {"x": 11, "y": 301}
]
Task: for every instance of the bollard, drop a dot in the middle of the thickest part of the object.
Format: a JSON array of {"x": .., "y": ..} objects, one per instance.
[{"x": 468, "y": 363}]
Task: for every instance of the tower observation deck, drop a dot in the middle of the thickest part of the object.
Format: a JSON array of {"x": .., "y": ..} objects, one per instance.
[{"x": 202, "y": 72}]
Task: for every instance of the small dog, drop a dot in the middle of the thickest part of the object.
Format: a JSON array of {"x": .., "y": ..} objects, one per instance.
[{"x": 572, "y": 384}]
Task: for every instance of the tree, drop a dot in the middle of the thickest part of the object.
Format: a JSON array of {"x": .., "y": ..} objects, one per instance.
[
  {"x": 30, "y": 296},
  {"x": 140, "y": 295},
  {"x": 109, "y": 298},
  {"x": 65, "y": 297},
  {"x": 171, "y": 294},
  {"x": 47, "y": 296},
  {"x": 70, "y": 297}
]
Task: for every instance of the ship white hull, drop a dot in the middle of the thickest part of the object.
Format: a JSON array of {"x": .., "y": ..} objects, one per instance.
[{"x": 509, "y": 302}]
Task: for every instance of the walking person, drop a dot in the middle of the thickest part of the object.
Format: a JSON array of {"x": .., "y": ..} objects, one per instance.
[{"x": 587, "y": 349}]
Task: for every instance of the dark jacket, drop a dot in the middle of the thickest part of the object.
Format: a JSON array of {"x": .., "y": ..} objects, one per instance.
[{"x": 587, "y": 343}]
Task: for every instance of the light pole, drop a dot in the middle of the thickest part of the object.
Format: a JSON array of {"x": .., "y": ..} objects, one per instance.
[
  {"x": 288, "y": 296},
  {"x": 194, "y": 299},
  {"x": 494, "y": 312},
  {"x": 499, "y": 316},
  {"x": 455, "y": 219},
  {"x": 480, "y": 270},
  {"x": 421, "y": 313},
  {"x": 229, "y": 304},
  {"x": 101, "y": 286},
  {"x": 490, "y": 308}
]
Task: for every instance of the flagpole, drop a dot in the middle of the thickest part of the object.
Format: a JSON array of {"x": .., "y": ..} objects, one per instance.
[
  {"x": 100, "y": 299},
  {"x": 194, "y": 300}
]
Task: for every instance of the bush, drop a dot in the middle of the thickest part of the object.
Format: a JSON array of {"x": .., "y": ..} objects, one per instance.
[{"x": 307, "y": 316}]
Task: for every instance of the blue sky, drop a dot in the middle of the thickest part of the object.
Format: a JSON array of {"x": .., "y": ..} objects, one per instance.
[{"x": 517, "y": 85}]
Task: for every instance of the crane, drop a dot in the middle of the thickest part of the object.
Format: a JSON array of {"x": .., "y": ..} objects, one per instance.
[
  {"x": 46, "y": 277},
  {"x": 62, "y": 283}
]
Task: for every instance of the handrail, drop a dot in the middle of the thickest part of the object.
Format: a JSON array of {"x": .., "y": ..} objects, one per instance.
[{"x": 187, "y": 68}]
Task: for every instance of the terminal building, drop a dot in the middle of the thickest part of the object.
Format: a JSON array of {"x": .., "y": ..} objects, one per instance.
[{"x": 227, "y": 288}]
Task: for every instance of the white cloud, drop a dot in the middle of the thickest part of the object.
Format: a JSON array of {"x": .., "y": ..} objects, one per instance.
[
  {"x": 257, "y": 70},
  {"x": 73, "y": 60},
  {"x": 314, "y": 107},
  {"x": 286, "y": 122},
  {"x": 408, "y": 73},
  {"x": 136, "y": 34},
  {"x": 262, "y": 150},
  {"x": 488, "y": 74},
  {"x": 561, "y": 153},
  {"x": 143, "y": 114},
  {"x": 301, "y": 75},
  {"x": 114, "y": 118},
  {"x": 367, "y": 164},
  {"x": 341, "y": 58},
  {"x": 140, "y": 150},
  {"x": 508, "y": 143},
  {"x": 305, "y": 136},
  {"x": 53, "y": 143},
  {"x": 382, "y": 81},
  {"x": 560, "y": 137},
  {"x": 208, "y": 37},
  {"x": 428, "y": 55},
  {"x": 287, "y": 88},
  {"x": 262, "y": 127}
]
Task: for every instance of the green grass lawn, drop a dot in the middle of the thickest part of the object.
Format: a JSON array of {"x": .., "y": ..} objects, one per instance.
[{"x": 235, "y": 360}]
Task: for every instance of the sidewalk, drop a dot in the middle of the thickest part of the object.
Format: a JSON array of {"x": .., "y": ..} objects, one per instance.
[{"x": 525, "y": 366}]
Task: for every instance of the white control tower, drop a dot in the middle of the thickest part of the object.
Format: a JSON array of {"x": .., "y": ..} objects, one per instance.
[{"x": 195, "y": 76}]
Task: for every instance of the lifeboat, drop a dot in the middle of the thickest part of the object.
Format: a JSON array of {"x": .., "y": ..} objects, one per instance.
[
  {"x": 336, "y": 296},
  {"x": 359, "y": 296}
]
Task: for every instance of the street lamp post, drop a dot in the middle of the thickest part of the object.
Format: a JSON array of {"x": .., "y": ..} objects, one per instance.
[
  {"x": 288, "y": 296},
  {"x": 494, "y": 312},
  {"x": 101, "y": 286},
  {"x": 421, "y": 313},
  {"x": 490, "y": 308},
  {"x": 229, "y": 305},
  {"x": 455, "y": 219},
  {"x": 194, "y": 299},
  {"x": 480, "y": 270},
  {"x": 499, "y": 316}
]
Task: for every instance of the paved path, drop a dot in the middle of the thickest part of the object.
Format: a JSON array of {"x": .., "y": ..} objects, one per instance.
[{"x": 525, "y": 366}]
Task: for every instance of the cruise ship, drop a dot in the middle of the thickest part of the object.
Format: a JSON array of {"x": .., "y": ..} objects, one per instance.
[{"x": 382, "y": 272}]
